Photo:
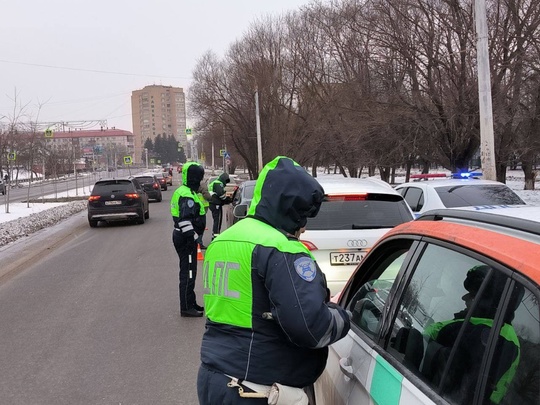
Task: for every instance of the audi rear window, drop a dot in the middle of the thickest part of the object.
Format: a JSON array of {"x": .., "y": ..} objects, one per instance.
[
  {"x": 468, "y": 195},
  {"x": 113, "y": 186},
  {"x": 374, "y": 212}
]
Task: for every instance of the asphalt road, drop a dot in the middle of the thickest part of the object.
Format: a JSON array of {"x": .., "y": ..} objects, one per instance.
[{"x": 91, "y": 316}]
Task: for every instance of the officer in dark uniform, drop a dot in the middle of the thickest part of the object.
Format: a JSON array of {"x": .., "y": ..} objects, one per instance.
[
  {"x": 188, "y": 215},
  {"x": 218, "y": 200},
  {"x": 266, "y": 299}
]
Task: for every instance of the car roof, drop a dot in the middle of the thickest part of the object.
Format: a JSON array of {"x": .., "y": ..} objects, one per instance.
[
  {"x": 512, "y": 241},
  {"x": 526, "y": 212},
  {"x": 450, "y": 182},
  {"x": 350, "y": 185},
  {"x": 122, "y": 179}
]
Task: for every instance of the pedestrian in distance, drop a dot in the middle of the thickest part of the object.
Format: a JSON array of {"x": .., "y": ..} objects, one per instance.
[
  {"x": 219, "y": 198},
  {"x": 269, "y": 319},
  {"x": 189, "y": 219}
]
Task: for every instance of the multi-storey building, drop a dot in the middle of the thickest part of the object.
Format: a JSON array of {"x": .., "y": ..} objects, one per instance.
[
  {"x": 105, "y": 147},
  {"x": 158, "y": 110}
]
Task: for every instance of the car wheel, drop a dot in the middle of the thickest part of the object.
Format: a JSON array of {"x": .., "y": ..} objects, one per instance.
[
  {"x": 147, "y": 214},
  {"x": 160, "y": 198},
  {"x": 141, "y": 217},
  {"x": 165, "y": 188},
  {"x": 93, "y": 223}
]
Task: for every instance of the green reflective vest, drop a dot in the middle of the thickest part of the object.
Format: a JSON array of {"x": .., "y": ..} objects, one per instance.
[
  {"x": 227, "y": 285},
  {"x": 184, "y": 192}
]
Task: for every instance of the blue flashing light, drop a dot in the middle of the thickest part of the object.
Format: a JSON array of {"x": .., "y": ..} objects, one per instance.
[{"x": 466, "y": 175}]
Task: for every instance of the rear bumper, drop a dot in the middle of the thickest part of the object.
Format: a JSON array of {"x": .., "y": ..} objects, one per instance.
[{"x": 112, "y": 215}]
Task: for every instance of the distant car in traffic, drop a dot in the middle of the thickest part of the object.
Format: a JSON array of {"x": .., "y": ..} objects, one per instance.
[
  {"x": 168, "y": 178},
  {"x": 162, "y": 181},
  {"x": 117, "y": 200},
  {"x": 151, "y": 185},
  {"x": 444, "y": 310},
  {"x": 427, "y": 194}
]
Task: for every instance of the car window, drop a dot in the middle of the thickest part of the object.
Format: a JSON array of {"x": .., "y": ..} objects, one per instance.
[
  {"x": 112, "y": 186},
  {"x": 414, "y": 196},
  {"x": 145, "y": 180},
  {"x": 444, "y": 321},
  {"x": 377, "y": 211},
  {"x": 469, "y": 195},
  {"x": 522, "y": 322},
  {"x": 368, "y": 301}
]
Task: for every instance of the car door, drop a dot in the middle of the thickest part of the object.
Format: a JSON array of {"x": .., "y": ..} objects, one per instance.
[
  {"x": 439, "y": 332},
  {"x": 351, "y": 361}
]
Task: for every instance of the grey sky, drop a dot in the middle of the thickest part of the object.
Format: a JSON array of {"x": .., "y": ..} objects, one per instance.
[{"x": 52, "y": 51}]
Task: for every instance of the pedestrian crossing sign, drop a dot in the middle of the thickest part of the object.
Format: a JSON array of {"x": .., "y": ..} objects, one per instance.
[{"x": 128, "y": 160}]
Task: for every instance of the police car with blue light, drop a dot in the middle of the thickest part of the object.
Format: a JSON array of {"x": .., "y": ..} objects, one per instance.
[{"x": 429, "y": 191}]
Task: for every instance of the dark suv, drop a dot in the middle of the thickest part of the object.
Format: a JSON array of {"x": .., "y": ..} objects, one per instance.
[
  {"x": 151, "y": 185},
  {"x": 117, "y": 200}
]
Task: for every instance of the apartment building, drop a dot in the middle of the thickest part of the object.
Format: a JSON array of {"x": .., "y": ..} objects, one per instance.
[
  {"x": 105, "y": 147},
  {"x": 158, "y": 110}
]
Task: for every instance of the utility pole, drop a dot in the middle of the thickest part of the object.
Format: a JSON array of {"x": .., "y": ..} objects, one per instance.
[
  {"x": 487, "y": 143},
  {"x": 258, "y": 121}
]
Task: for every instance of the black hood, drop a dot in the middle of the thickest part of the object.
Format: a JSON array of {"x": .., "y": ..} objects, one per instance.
[
  {"x": 224, "y": 178},
  {"x": 285, "y": 195},
  {"x": 192, "y": 175}
]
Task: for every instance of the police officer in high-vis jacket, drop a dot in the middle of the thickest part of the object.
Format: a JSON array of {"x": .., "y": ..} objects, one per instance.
[
  {"x": 266, "y": 301},
  {"x": 188, "y": 214},
  {"x": 218, "y": 199}
]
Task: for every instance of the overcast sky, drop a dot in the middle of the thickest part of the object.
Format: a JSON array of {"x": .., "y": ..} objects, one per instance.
[{"x": 80, "y": 60}]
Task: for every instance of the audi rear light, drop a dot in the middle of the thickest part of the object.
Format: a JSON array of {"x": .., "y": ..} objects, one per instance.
[
  {"x": 94, "y": 198},
  {"x": 309, "y": 245},
  {"x": 155, "y": 186},
  {"x": 133, "y": 195},
  {"x": 347, "y": 197}
]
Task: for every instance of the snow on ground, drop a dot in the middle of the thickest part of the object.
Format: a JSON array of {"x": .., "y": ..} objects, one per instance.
[{"x": 24, "y": 219}]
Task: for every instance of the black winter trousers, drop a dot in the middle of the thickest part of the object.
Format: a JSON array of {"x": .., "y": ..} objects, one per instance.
[
  {"x": 186, "y": 248},
  {"x": 217, "y": 217}
]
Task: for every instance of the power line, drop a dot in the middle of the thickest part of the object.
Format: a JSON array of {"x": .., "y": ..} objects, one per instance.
[{"x": 91, "y": 70}]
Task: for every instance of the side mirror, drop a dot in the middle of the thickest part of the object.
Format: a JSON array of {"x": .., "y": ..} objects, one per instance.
[{"x": 240, "y": 211}]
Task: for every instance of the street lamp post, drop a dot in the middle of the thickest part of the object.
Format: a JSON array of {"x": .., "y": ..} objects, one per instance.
[{"x": 258, "y": 122}]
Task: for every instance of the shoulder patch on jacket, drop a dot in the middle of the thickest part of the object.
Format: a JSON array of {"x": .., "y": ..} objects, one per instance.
[
  {"x": 306, "y": 268},
  {"x": 190, "y": 203}
]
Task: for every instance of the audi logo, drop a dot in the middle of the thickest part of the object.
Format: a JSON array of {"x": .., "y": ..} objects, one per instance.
[{"x": 357, "y": 243}]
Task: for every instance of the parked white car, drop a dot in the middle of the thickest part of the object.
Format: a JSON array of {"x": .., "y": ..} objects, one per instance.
[
  {"x": 353, "y": 216},
  {"x": 430, "y": 194}
]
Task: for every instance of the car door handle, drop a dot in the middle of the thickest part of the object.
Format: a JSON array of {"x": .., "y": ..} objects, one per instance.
[{"x": 345, "y": 367}]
